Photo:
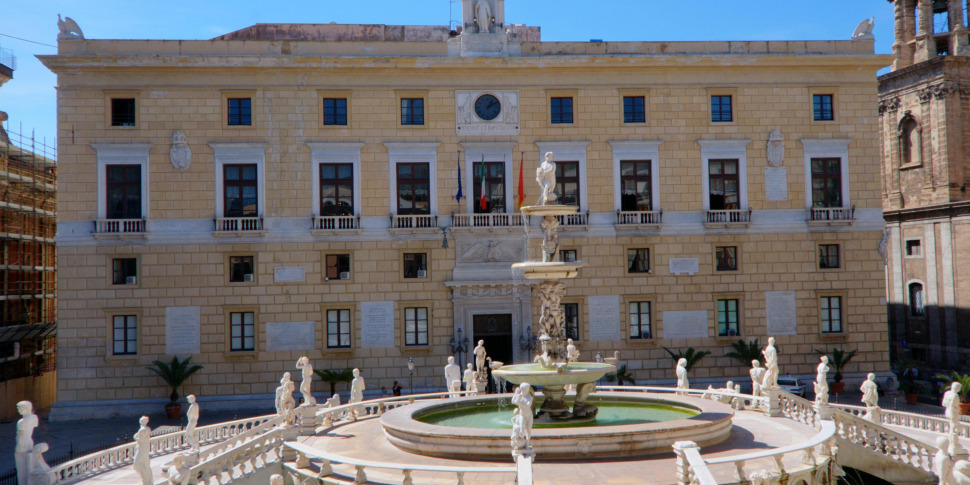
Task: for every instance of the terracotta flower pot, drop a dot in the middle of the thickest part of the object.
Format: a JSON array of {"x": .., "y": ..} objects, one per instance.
[
  {"x": 837, "y": 387},
  {"x": 911, "y": 398},
  {"x": 965, "y": 408},
  {"x": 173, "y": 410}
]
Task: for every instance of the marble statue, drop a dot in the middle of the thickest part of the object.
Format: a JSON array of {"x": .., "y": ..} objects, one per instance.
[
  {"x": 572, "y": 353},
  {"x": 757, "y": 373},
  {"x": 864, "y": 30},
  {"x": 951, "y": 405},
  {"x": 453, "y": 377},
  {"x": 470, "y": 379},
  {"x": 357, "y": 387},
  {"x": 771, "y": 366},
  {"x": 480, "y": 354},
  {"x": 682, "y": 382},
  {"x": 177, "y": 472},
  {"x": 192, "y": 415},
  {"x": 69, "y": 29},
  {"x": 276, "y": 480},
  {"x": 550, "y": 238},
  {"x": 523, "y": 399},
  {"x": 870, "y": 391},
  {"x": 942, "y": 462},
  {"x": 546, "y": 176},
  {"x": 552, "y": 321},
  {"x": 307, "y": 383},
  {"x": 143, "y": 464},
  {"x": 483, "y": 16},
  {"x": 180, "y": 154},
  {"x": 960, "y": 475},
  {"x": 25, "y": 440},
  {"x": 40, "y": 471},
  {"x": 821, "y": 381},
  {"x": 284, "y": 398}
]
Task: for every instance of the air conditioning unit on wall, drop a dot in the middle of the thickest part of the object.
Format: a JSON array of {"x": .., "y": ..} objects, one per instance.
[
  {"x": 422, "y": 273},
  {"x": 130, "y": 280},
  {"x": 345, "y": 275},
  {"x": 248, "y": 277}
]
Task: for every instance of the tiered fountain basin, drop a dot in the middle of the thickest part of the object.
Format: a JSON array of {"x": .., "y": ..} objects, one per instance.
[
  {"x": 573, "y": 373},
  {"x": 628, "y": 425}
]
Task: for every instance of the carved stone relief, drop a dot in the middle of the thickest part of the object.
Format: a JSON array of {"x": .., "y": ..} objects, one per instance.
[
  {"x": 468, "y": 123},
  {"x": 489, "y": 251},
  {"x": 180, "y": 153}
]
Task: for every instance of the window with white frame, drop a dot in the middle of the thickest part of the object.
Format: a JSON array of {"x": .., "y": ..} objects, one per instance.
[
  {"x": 122, "y": 180},
  {"x": 412, "y": 172},
  {"x": 724, "y": 174},
  {"x": 335, "y": 168},
  {"x": 240, "y": 179},
  {"x": 499, "y": 169},
  {"x": 635, "y": 175},
  {"x": 826, "y": 172}
]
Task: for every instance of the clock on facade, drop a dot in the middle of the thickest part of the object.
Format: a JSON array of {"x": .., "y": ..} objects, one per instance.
[{"x": 487, "y": 107}]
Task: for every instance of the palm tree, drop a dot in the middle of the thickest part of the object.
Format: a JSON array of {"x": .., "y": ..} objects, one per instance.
[
  {"x": 963, "y": 379},
  {"x": 838, "y": 359},
  {"x": 690, "y": 354},
  {"x": 333, "y": 377},
  {"x": 745, "y": 352},
  {"x": 620, "y": 377},
  {"x": 174, "y": 373}
]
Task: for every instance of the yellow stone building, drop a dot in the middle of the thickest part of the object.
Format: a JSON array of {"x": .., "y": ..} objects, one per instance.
[{"x": 291, "y": 189}]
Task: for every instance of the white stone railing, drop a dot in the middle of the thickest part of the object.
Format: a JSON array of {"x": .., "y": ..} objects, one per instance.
[
  {"x": 238, "y": 462},
  {"x": 892, "y": 417},
  {"x": 301, "y": 474},
  {"x": 326, "y": 416},
  {"x": 797, "y": 408},
  {"x": 728, "y": 217},
  {"x": 414, "y": 222},
  {"x": 472, "y": 221},
  {"x": 236, "y": 432},
  {"x": 336, "y": 223},
  {"x": 124, "y": 455},
  {"x": 120, "y": 226},
  {"x": 738, "y": 401},
  {"x": 638, "y": 218},
  {"x": 828, "y": 215},
  {"x": 239, "y": 224},
  {"x": 577, "y": 219}
]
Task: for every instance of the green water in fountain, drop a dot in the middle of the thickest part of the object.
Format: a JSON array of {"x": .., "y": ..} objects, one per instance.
[{"x": 611, "y": 413}]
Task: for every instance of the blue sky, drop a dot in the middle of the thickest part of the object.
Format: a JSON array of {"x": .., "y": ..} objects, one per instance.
[{"x": 30, "y": 98}]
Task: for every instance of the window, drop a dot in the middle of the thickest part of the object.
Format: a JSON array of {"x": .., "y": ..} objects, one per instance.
[
  {"x": 124, "y": 329},
  {"x": 727, "y": 318},
  {"x": 640, "y": 327},
  {"x": 242, "y": 331},
  {"x": 413, "y": 189},
  {"x": 335, "y": 111},
  {"x": 826, "y": 182},
  {"x": 917, "y": 303},
  {"x": 416, "y": 326},
  {"x": 567, "y": 182},
  {"x": 240, "y": 190},
  {"x": 914, "y": 248},
  {"x": 336, "y": 189},
  {"x": 571, "y": 313},
  {"x": 822, "y": 107},
  {"x": 240, "y": 111},
  {"x": 831, "y": 311},
  {"x": 337, "y": 266},
  {"x": 638, "y": 260},
  {"x": 415, "y": 265},
  {"x": 122, "y": 111},
  {"x": 412, "y": 111},
  {"x": 338, "y": 329},
  {"x": 721, "y": 109},
  {"x": 724, "y": 184},
  {"x": 241, "y": 269},
  {"x": 828, "y": 256},
  {"x": 561, "y": 110},
  {"x": 124, "y": 271},
  {"x": 123, "y": 191},
  {"x": 727, "y": 258},
  {"x": 568, "y": 255},
  {"x": 494, "y": 187},
  {"x": 636, "y": 185},
  {"x": 634, "y": 109}
]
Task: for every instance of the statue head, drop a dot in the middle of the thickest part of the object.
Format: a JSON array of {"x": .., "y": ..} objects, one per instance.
[
  {"x": 730, "y": 385},
  {"x": 771, "y": 341},
  {"x": 357, "y": 372},
  {"x": 682, "y": 362},
  {"x": 25, "y": 408},
  {"x": 755, "y": 363},
  {"x": 190, "y": 398},
  {"x": 569, "y": 341},
  {"x": 143, "y": 420},
  {"x": 956, "y": 387},
  {"x": 481, "y": 343},
  {"x": 451, "y": 360},
  {"x": 825, "y": 359},
  {"x": 942, "y": 442},
  {"x": 550, "y": 157},
  {"x": 871, "y": 377},
  {"x": 525, "y": 387},
  {"x": 468, "y": 366},
  {"x": 286, "y": 377}
]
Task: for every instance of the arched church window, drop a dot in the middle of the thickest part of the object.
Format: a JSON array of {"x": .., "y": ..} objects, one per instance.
[
  {"x": 917, "y": 302},
  {"x": 909, "y": 141}
]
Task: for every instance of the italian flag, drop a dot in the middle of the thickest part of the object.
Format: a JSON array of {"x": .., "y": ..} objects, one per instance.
[{"x": 484, "y": 202}]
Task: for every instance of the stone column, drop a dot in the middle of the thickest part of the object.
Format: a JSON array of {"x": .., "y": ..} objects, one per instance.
[
  {"x": 903, "y": 32},
  {"x": 683, "y": 466},
  {"x": 925, "y": 46},
  {"x": 959, "y": 44}
]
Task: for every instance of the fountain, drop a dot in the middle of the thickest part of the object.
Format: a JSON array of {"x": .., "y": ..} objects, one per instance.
[{"x": 631, "y": 424}]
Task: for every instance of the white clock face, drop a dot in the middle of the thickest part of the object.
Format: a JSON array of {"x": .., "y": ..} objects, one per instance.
[{"x": 487, "y": 107}]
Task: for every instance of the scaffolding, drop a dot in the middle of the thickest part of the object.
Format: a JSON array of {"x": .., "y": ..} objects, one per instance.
[{"x": 28, "y": 274}]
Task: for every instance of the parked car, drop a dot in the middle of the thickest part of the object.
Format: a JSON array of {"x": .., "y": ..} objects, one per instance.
[{"x": 792, "y": 385}]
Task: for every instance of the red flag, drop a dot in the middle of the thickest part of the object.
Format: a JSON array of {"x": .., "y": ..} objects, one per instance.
[
  {"x": 521, "y": 183},
  {"x": 484, "y": 202}
]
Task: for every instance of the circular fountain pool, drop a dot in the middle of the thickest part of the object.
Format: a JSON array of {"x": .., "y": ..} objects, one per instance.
[{"x": 629, "y": 424}]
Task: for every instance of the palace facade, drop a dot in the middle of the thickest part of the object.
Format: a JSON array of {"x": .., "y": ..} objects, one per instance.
[{"x": 289, "y": 190}]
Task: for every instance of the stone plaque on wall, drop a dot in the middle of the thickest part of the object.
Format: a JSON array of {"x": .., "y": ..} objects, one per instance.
[
  {"x": 377, "y": 324},
  {"x": 691, "y": 324},
  {"x": 289, "y": 274},
  {"x": 290, "y": 336},
  {"x": 780, "y": 310},
  {"x": 482, "y": 113},
  {"x": 776, "y": 184},
  {"x": 604, "y": 318},
  {"x": 679, "y": 266},
  {"x": 182, "y": 328}
]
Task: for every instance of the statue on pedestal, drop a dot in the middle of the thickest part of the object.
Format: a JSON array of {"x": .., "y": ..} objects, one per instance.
[
  {"x": 870, "y": 396},
  {"x": 480, "y": 360},
  {"x": 483, "y": 16},
  {"x": 357, "y": 387},
  {"x": 192, "y": 415},
  {"x": 682, "y": 382},
  {"x": 771, "y": 366},
  {"x": 453, "y": 377},
  {"x": 522, "y": 419},
  {"x": 470, "y": 379},
  {"x": 546, "y": 176},
  {"x": 306, "y": 384},
  {"x": 757, "y": 375},
  {"x": 25, "y": 440},
  {"x": 142, "y": 460},
  {"x": 821, "y": 381}
]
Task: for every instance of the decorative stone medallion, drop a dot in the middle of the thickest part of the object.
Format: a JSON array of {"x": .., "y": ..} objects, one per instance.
[
  {"x": 180, "y": 153},
  {"x": 485, "y": 112}
]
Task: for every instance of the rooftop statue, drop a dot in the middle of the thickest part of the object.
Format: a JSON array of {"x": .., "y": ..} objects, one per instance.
[{"x": 69, "y": 29}]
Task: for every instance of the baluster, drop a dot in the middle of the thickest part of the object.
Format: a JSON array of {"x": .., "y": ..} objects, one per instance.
[
  {"x": 302, "y": 461},
  {"x": 361, "y": 476},
  {"x": 781, "y": 467},
  {"x": 407, "y": 477},
  {"x": 325, "y": 469},
  {"x": 739, "y": 465},
  {"x": 461, "y": 478}
]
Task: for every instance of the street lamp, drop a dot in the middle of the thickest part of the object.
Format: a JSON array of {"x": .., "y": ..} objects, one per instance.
[
  {"x": 459, "y": 346},
  {"x": 411, "y": 375}
]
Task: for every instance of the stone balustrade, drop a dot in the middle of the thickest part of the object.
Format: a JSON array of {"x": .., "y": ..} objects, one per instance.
[
  {"x": 237, "y": 462},
  {"x": 487, "y": 221},
  {"x": 891, "y": 417},
  {"x": 738, "y": 401},
  {"x": 638, "y": 218}
]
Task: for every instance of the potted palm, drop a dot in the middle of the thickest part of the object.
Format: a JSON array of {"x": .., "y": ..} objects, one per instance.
[
  {"x": 838, "y": 359},
  {"x": 911, "y": 390},
  {"x": 964, "y": 380},
  {"x": 334, "y": 376},
  {"x": 174, "y": 373},
  {"x": 690, "y": 354}
]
